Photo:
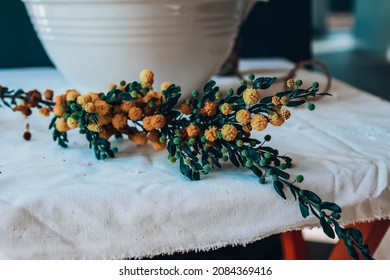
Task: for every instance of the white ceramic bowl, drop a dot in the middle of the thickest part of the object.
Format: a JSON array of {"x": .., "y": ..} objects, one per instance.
[{"x": 97, "y": 42}]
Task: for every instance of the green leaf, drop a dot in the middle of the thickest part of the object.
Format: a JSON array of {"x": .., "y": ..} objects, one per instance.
[
  {"x": 311, "y": 196},
  {"x": 254, "y": 155},
  {"x": 6, "y": 103},
  {"x": 266, "y": 100},
  {"x": 219, "y": 121},
  {"x": 239, "y": 157},
  {"x": 351, "y": 250},
  {"x": 258, "y": 106},
  {"x": 174, "y": 114},
  {"x": 339, "y": 231},
  {"x": 103, "y": 142},
  {"x": 215, "y": 152},
  {"x": 233, "y": 99},
  {"x": 356, "y": 235},
  {"x": 268, "y": 149},
  {"x": 209, "y": 86},
  {"x": 242, "y": 103},
  {"x": 207, "y": 96},
  {"x": 53, "y": 122},
  {"x": 283, "y": 93},
  {"x": 293, "y": 191},
  {"x": 186, "y": 150},
  {"x": 216, "y": 162},
  {"x": 304, "y": 208},
  {"x": 182, "y": 166},
  {"x": 197, "y": 166},
  {"x": 280, "y": 173},
  {"x": 296, "y": 103},
  {"x": 241, "y": 89},
  {"x": 204, "y": 158},
  {"x": 278, "y": 186},
  {"x": 328, "y": 230},
  {"x": 126, "y": 96},
  {"x": 97, "y": 153},
  {"x": 249, "y": 140},
  {"x": 110, "y": 153},
  {"x": 233, "y": 158},
  {"x": 171, "y": 147},
  {"x": 196, "y": 176},
  {"x": 314, "y": 212},
  {"x": 367, "y": 256},
  {"x": 189, "y": 173},
  {"x": 263, "y": 82},
  {"x": 330, "y": 206},
  {"x": 172, "y": 102},
  {"x": 62, "y": 144},
  {"x": 257, "y": 171}
]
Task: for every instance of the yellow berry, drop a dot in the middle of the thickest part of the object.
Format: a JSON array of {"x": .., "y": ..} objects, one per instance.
[
  {"x": 259, "y": 122},
  {"x": 251, "y": 96},
  {"x": 226, "y": 109},
  {"x": 243, "y": 116},
  {"x": 285, "y": 114},
  {"x": 276, "y": 100},
  {"x": 229, "y": 132},
  {"x": 290, "y": 83},
  {"x": 211, "y": 133},
  {"x": 147, "y": 78}
]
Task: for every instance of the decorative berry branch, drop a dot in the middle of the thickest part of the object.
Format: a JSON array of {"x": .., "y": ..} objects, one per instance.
[{"x": 209, "y": 128}]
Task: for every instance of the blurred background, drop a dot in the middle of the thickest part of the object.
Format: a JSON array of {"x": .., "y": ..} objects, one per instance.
[{"x": 351, "y": 36}]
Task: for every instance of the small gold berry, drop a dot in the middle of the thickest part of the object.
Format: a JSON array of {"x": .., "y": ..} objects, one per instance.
[
  {"x": 186, "y": 109},
  {"x": 284, "y": 100},
  {"x": 285, "y": 114},
  {"x": 147, "y": 78},
  {"x": 276, "y": 121},
  {"x": 192, "y": 130},
  {"x": 61, "y": 125},
  {"x": 44, "y": 111},
  {"x": 243, "y": 116},
  {"x": 135, "y": 114},
  {"x": 158, "y": 121},
  {"x": 226, "y": 109},
  {"x": 290, "y": 83},
  {"x": 119, "y": 121},
  {"x": 48, "y": 94},
  {"x": 229, "y": 132},
  {"x": 72, "y": 123},
  {"x": 211, "y": 133},
  {"x": 251, "y": 96},
  {"x": 259, "y": 122},
  {"x": 276, "y": 100}
]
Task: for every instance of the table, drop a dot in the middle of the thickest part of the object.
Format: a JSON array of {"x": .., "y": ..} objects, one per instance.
[{"x": 64, "y": 204}]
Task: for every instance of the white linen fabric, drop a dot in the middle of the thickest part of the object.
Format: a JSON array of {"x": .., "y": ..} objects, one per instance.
[{"x": 64, "y": 204}]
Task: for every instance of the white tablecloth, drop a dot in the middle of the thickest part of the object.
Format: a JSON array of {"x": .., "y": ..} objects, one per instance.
[{"x": 63, "y": 204}]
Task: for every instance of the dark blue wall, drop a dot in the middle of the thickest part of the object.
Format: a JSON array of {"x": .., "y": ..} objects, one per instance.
[{"x": 19, "y": 45}]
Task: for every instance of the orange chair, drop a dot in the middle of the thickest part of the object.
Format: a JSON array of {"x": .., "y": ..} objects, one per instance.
[{"x": 294, "y": 246}]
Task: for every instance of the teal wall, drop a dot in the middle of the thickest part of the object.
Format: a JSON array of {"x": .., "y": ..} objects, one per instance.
[
  {"x": 19, "y": 45},
  {"x": 372, "y": 27}
]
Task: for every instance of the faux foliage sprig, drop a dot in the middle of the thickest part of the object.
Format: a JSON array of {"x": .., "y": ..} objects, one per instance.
[{"x": 209, "y": 128}]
